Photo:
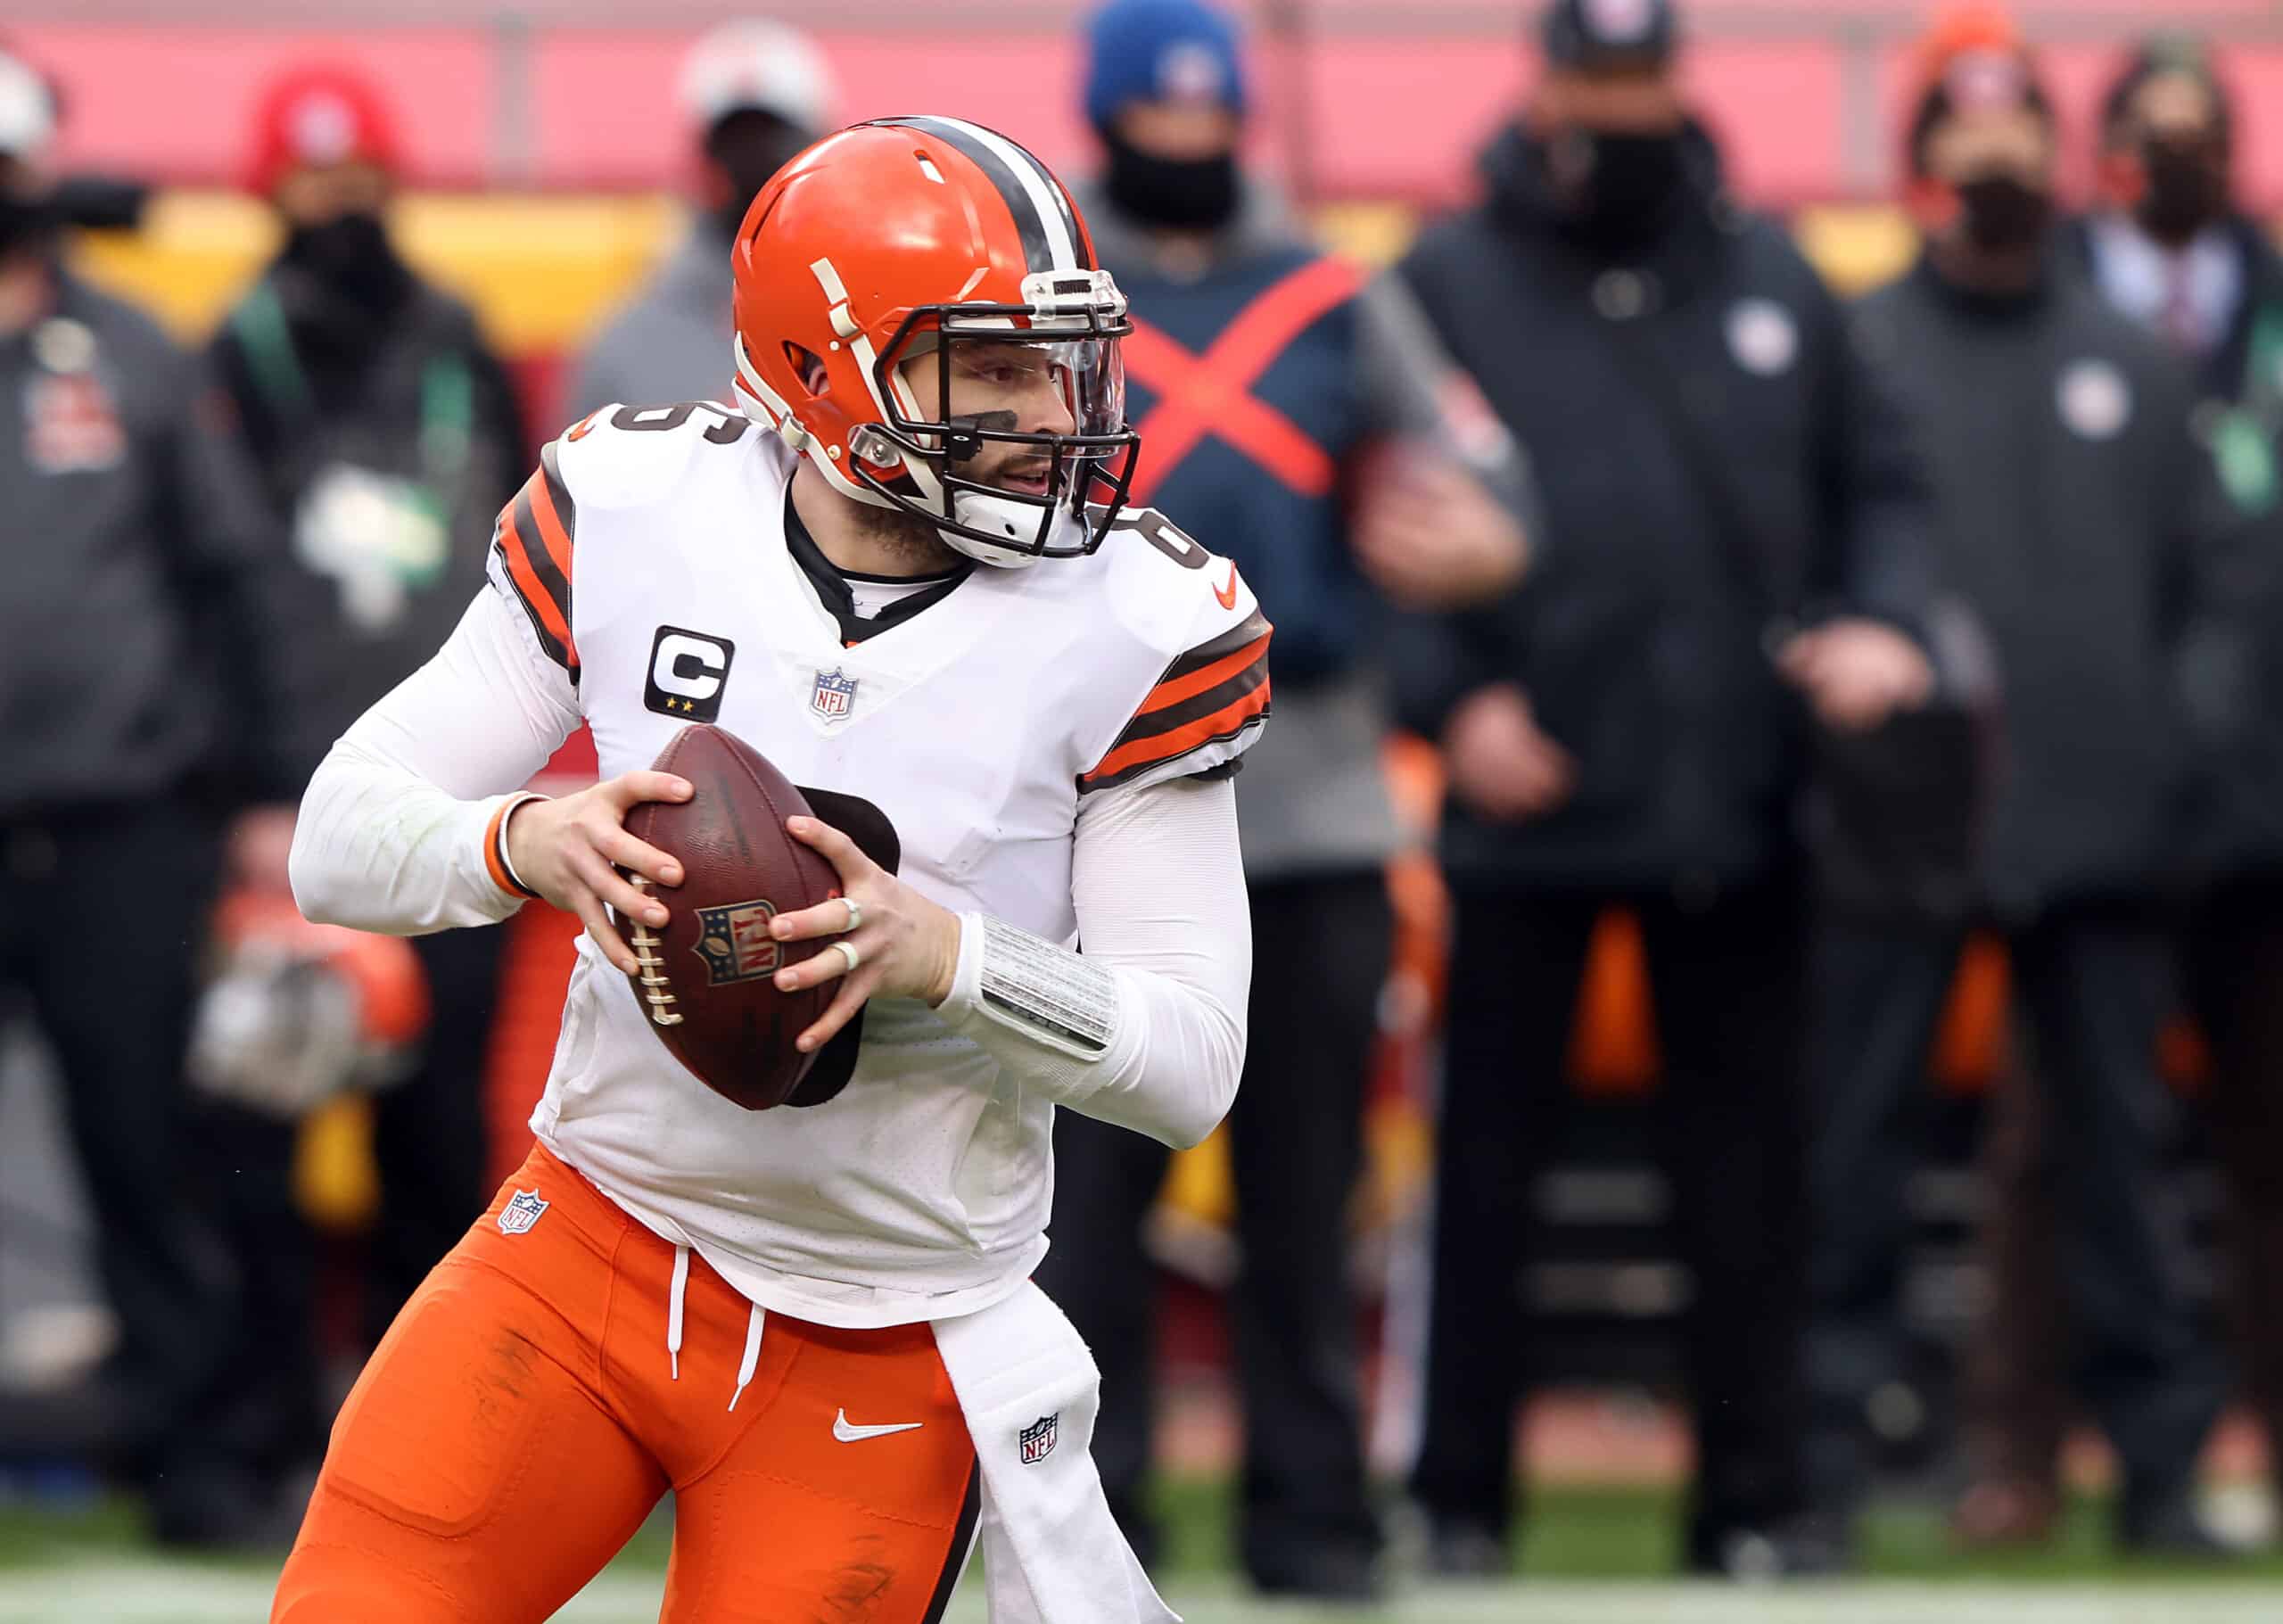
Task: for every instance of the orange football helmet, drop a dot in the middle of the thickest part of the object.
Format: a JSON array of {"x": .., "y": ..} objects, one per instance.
[{"x": 903, "y": 235}]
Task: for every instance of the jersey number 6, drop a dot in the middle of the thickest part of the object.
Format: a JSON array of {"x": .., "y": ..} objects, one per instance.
[{"x": 1159, "y": 533}]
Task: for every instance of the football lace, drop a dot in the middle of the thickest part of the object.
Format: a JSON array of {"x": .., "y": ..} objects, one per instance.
[{"x": 653, "y": 978}]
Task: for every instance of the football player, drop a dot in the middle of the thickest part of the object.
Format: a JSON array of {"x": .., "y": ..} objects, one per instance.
[{"x": 901, "y": 567}]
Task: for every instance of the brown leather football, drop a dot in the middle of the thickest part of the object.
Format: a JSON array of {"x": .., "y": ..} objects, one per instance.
[{"x": 708, "y": 981}]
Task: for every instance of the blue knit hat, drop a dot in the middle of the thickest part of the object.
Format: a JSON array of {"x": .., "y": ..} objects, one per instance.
[{"x": 1160, "y": 51}]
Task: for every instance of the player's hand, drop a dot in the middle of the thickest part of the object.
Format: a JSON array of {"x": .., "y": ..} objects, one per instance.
[
  {"x": 570, "y": 851},
  {"x": 1501, "y": 763},
  {"x": 906, "y": 946},
  {"x": 1429, "y": 537},
  {"x": 1857, "y": 672}
]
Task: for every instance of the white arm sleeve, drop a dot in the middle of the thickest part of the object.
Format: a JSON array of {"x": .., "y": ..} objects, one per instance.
[
  {"x": 396, "y": 827},
  {"x": 1156, "y": 1002}
]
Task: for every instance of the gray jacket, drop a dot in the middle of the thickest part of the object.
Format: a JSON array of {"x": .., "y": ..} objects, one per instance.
[
  {"x": 1312, "y": 797},
  {"x": 141, "y": 632},
  {"x": 672, "y": 342}
]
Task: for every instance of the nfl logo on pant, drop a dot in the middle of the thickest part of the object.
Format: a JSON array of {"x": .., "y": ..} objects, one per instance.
[
  {"x": 1037, "y": 1439},
  {"x": 835, "y": 695},
  {"x": 522, "y": 1211}
]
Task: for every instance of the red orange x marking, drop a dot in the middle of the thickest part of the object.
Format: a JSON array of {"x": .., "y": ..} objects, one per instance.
[{"x": 1210, "y": 394}]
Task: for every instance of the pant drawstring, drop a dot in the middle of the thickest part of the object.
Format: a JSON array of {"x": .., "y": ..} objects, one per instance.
[
  {"x": 753, "y": 1354},
  {"x": 673, "y": 1308}
]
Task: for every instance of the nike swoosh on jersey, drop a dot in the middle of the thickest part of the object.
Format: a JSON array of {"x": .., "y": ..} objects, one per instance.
[
  {"x": 847, "y": 1434},
  {"x": 1228, "y": 595}
]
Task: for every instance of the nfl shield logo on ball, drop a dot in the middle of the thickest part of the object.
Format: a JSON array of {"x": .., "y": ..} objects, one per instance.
[
  {"x": 735, "y": 942},
  {"x": 835, "y": 695},
  {"x": 1037, "y": 1439},
  {"x": 522, "y": 1211}
]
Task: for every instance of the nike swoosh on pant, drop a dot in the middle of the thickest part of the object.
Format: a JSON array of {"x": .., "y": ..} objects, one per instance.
[{"x": 848, "y": 1434}]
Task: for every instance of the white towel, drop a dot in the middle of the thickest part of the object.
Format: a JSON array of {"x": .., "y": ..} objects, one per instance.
[{"x": 1051, "y": 1551}]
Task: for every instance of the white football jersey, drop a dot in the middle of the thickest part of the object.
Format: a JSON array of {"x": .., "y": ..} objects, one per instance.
[{"x": 651, "y": 555}]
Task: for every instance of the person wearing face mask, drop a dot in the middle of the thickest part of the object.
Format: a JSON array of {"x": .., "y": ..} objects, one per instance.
[
  {"x": 2168, "y": 248},
  {"x": 144, "y": 712},
  {"x": 754, "y": 94},
  {"x": 1733, "y": 565},
  {"x": 1326, "y": 464},
  {"x": 2080, "y": 522},
  {"x": 386, "y": 434}
]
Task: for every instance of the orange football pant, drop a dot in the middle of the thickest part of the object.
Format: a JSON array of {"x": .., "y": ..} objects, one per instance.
[{"x": 523, "y": 1416}]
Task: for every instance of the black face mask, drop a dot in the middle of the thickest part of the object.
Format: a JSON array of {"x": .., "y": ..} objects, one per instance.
[
  {"x": 2187, "y": 190},
  {"x": 2003, "y": 213},
  {"x": 351, "y": 255},
  {"x": 1173, "y": 193},
  {"x": 24, "y": 220},
  {"x": 1616, "y": 191}
]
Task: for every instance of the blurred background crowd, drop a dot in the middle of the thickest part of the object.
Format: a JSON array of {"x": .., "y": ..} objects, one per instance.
[{"x": 1766, "y": 874}]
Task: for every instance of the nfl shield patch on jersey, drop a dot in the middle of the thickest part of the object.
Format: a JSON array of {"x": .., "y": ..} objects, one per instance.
[
  {"x": 834, "y": 696},
  {"x": 523, "y": 1209},
  {"x": 1037, "y": 1439}
]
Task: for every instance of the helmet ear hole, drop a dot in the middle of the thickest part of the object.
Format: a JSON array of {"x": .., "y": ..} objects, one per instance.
[{"x": 809, "y": 367}]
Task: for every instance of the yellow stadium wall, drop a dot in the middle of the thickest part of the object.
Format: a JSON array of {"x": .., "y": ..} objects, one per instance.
[{"x": 541, "y": 271}]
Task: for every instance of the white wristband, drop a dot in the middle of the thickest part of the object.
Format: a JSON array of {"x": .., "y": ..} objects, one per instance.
[{"x": 505, "y": 818}]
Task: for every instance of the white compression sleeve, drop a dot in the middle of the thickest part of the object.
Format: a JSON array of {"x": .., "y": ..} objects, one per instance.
[
  {"x": 1146, "y": 1028},
  {"x": 395, "y": 833}
]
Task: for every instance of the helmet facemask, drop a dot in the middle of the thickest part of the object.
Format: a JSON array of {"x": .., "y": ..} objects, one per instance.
[{"x": 920, "y": 458}]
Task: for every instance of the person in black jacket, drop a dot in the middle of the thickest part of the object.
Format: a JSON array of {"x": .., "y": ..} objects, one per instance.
[
  {"x": 2169, "y": 249},
  {"x": 1734, "y": 521},
  {"x": 388, "y": 437},
  {"x": 2078, "y": 523},
  {"x": 142, "y": 712}
]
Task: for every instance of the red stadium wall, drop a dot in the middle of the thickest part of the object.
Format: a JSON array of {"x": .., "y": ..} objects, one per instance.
[{"x": 1355, "y": 111}]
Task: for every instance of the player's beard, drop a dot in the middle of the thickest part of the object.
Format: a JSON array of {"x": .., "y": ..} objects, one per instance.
[
  {"x": 915, "y": 542},
  {"x": 910, "y": 540}
]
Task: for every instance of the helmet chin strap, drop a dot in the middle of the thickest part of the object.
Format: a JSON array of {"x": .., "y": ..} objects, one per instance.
[{"x": 1019, "y": 522}]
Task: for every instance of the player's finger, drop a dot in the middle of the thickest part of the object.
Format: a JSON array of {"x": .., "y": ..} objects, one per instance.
[
  {"x": 622, "y": 850},
  {"x": 617, "y": 892},
  {"x": 827, "y": 918},
  {"x": 845, "y": 853},
  {"x": 843, "y": 1009},
  {"x": 828, "y": 962},
  {"x": 629, "y": 789},
  {"x": 589, "y": 910}
]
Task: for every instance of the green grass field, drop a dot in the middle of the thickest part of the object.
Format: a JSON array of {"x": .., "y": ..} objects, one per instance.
[{"x": 1592, "y": 1555}]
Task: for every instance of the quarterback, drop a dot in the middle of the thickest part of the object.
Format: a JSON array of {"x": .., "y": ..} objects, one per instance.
[{"x": 900, "y": 566}]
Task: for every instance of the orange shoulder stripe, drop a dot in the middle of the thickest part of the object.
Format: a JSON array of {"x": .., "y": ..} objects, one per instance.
[
  {"x": 513, "y": 548},
  {"x": 1164, "y": 746},
  {"x": 1178, "y": 688},
  {"x": 552, "y": 535}
]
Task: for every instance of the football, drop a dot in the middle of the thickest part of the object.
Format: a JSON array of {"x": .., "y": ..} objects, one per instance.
[{"x": 707, "y": 985}]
